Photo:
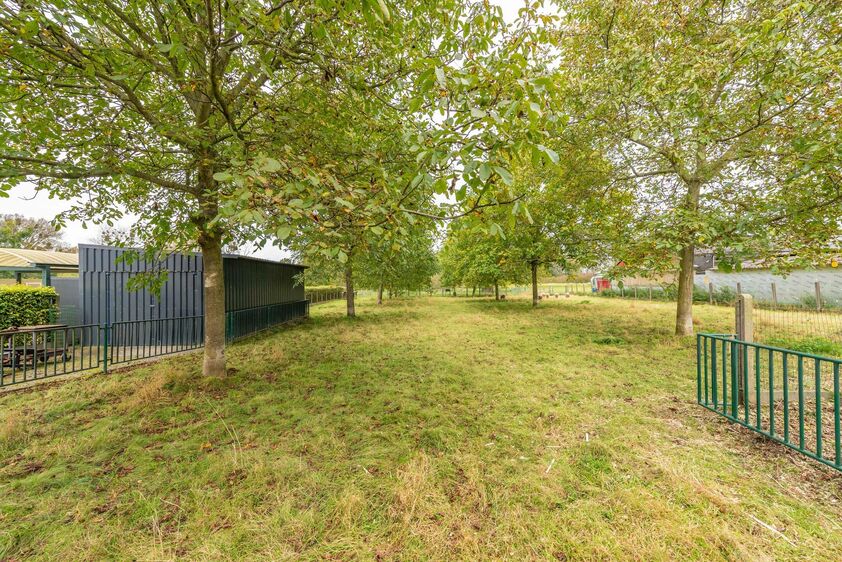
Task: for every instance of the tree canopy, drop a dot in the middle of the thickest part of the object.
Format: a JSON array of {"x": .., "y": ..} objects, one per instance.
[
  {"x": 18, "y": 231},
  {"x": 708, "y": 108}
]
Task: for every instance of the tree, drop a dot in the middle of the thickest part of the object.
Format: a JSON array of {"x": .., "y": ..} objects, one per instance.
[
  {"x": 419, "y": 134},
  {"x": 18, "y": 231},
  {"x": 405, "y": 263},
  {"x": 690, "y": 101},
  {"x": 183, "y": 113},
  {"x": 474, "y": 257},
  {"x": 574, "y": 215}
]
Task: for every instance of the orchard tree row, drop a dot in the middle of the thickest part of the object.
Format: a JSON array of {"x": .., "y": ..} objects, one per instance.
[{"x": 354, "y": 132}]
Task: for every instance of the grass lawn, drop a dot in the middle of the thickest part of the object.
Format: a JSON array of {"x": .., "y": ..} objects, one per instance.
[{"x": 428, "y": 428}]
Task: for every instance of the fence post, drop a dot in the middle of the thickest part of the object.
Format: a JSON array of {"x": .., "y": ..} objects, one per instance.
[
  {"x": 107, "y": 315},
  {"x": 739, "y": 288},
  {"x": 818, "y": 296},
  {"x": 710, "y": 293},
  {"x": 774, "y": 295},
  {"x": 745, "y": 333}
]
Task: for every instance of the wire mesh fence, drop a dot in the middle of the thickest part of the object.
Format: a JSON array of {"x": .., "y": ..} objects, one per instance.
[{"x": 798, "y": 328}]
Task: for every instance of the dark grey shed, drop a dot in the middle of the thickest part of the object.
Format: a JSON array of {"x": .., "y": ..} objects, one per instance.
[{"x": 251, "y": 285}]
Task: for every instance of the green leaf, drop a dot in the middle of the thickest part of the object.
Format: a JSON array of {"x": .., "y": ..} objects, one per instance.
[
  {"x": 283, "y": 232},
  {"x": 549, "y": 153},
  {"x": 270, "y": 165},
  {"x": 384, "y": 10},
  {"x": 504, "y": 174},
  {"x": 440, "y": 77},
  {"x": 484, "y": 171},
  {"x": 223, "y": 176}
]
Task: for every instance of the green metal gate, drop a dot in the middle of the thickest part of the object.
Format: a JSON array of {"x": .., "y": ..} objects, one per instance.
[{"x": 787, "y": 396}]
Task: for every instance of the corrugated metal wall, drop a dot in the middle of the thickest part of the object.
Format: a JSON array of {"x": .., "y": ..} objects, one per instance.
[
  {"x": 248, "y": 283},
  {"x": 181, "y": 294}
]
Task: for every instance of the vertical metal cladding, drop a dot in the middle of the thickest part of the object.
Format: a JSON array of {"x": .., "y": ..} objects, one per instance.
[
  {"x": 181, "y": 293},
  {"x": 249, "y": 283}
]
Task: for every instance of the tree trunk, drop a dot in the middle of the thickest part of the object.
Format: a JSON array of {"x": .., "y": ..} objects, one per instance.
[
  {"x": 380, "y": 293},
  {"x": 534, "y": 267},
  {"x": 213, "y": 364},
  {"x": 684, "y": 309},
  {"x": 684, "y": 306},
  {"x": 496, "y": 291},
  {"x": 349, "y": 289}
]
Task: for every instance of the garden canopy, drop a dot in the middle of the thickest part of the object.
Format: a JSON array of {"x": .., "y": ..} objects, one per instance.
[{"x": 19, "y": 261}]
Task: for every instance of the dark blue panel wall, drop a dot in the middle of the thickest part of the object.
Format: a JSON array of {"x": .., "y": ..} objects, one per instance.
[
  {"x": 248, "y": 283},
  {"x": 101, "y": 266},
  {"x": 67, "y": 288},
  {"x": 251, "y": 283}
]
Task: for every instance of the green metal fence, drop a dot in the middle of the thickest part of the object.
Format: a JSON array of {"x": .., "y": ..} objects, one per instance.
[
  {"x": 788, "y": 396},
  {"x": 132, "y": 341},
  {"x": 30, "y": 355},
  {"x": 241, "y": 323},
  {"x": 47, "y": 352}
]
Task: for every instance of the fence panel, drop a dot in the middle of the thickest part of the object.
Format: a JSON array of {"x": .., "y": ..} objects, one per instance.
[
  {"x": 241, "y": 323},
  {"x": 47, "y": 352},
  {"x": 788, "y": 396},
  {"x": 143, "y": 339},
  {"x": 30, "y": 355}
]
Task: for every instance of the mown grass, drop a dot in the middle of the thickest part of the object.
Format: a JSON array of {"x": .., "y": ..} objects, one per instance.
[{"x": 428, "y": 428}]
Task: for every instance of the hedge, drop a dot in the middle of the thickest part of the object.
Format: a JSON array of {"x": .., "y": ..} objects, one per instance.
[
  {"x": 322, "y": 290},
  {"x": 21, "y": 305}
]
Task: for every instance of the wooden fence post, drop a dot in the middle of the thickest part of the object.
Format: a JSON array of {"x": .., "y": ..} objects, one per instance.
[
  {"x": 774, "y": 295},
  {"x": 710, "y": 293},
  {"x": 745, "y": 359},
  {"x": 818, "y": 296}
]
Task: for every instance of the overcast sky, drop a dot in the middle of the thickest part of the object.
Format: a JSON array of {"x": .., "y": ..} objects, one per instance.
[{"x": 23, "y": 199}]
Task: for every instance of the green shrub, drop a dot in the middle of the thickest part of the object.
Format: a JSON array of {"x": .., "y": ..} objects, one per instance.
[
  {"x": 814, "y": 345},
  {"x": 21, "y": 305},
  {"x": 322, "y": 289},
  {"x": 809, "y": 302}
]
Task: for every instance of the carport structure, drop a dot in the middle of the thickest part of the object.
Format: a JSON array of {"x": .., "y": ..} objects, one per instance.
[{"x": 20, "y": 261}]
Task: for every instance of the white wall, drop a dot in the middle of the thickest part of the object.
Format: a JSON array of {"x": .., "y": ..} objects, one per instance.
[{"x": 790, "y": 289}]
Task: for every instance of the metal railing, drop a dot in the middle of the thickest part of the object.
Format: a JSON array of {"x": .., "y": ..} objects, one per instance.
[
  {"x": 787, "y": 396},
  {"x": 317, "y": 297},
  {"x": 35, "y": 354},
  {"x": 48, "y": 352},
  {"x": 142, "y": 339},
  {"x": 242, "y": 323}
]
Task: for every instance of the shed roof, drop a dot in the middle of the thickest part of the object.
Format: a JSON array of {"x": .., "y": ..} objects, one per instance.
[{"x": 11, "y": 258}]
